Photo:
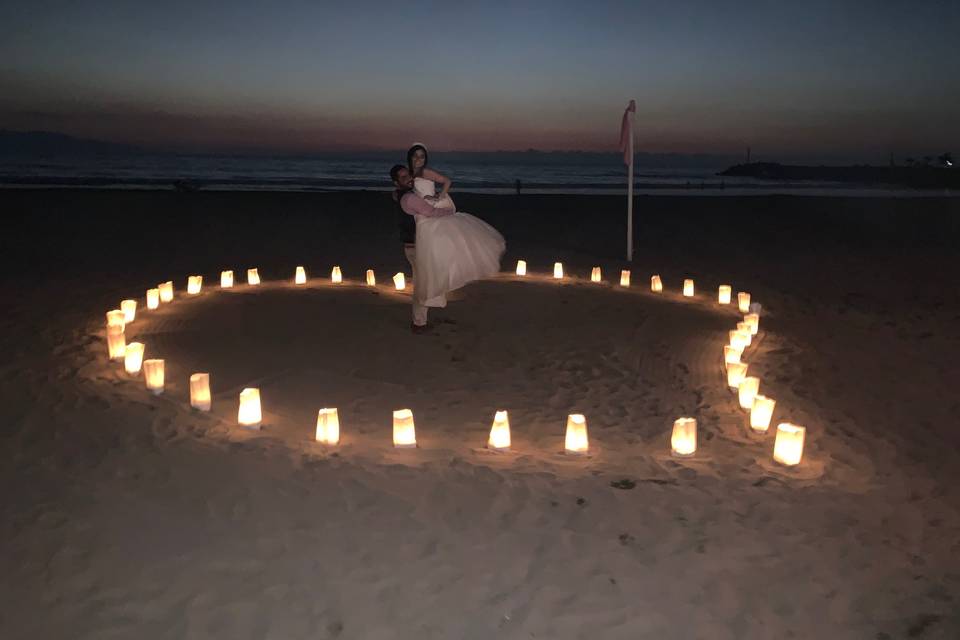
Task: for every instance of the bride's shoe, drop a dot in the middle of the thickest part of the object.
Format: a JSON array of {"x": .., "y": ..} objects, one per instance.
[{"x": 420, "y": 328}]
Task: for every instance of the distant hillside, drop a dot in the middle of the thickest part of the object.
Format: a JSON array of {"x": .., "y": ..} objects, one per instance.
[
  {"x": 47, "y": 143},
  {"x": 918, "y": 177}
]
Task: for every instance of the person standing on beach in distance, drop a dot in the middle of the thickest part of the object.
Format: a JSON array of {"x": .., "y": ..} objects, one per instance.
[{"x": 409, "y": 205}]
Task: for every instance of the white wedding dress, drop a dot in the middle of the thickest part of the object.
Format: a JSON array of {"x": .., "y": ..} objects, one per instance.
[{"x": 452, "y": 250}]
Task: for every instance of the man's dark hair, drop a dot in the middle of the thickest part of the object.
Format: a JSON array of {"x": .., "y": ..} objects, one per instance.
[
  {"x": 412, "y": 150},
  {"x": 395, "y": 171}
]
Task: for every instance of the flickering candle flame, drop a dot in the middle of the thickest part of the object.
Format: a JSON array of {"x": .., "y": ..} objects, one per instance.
[
  {"x": 557, "y": 270},
  {"x": 723, "y": 294},
  {"x": 133, "y": 357},
  {"x": 166, "y": 291},
  {"x": 129, "y": 308},
  {"x": 736, "y": 372},
  {"x": 761, "y": 413},
  {"x": 752, "y": 320},
  {"x": 625, "y": 278},
  {"x": 739, "y": 340},
  {"x": 744, "y": 329},
  {"x": 743, "y": 302},
  {"x": 249, "y": 415},
  {"x": 500, "y": 432},
  {"x": 747, "y": 390},
  {"x": 153, "y": 374},
  {"x": 116, "y": 318},
  {"x": 595, "y": 275},
  {"x": 335, "y": 276},
  {"x": 656, "y": 285},
  {"x": 576, "y": 440},
  {"x": 200, "y": 391},
  {"x": 153, "y": 298},
  {"x": 226, "y": 279},
  {"x": 371, "y": 278},
  {"x": 404, "y": 433},
  {"x": 116, "y": 343},
  {"x": 328, "y": 427},
  {"x": 688, "y": 288},
  {"x": 731, "y": 354},
  {"x": 300, "y": 277},
  {"x": 683, "y": 442},
  {"x": 253, "y": 277},
  {"x": 788, "y": 447},
  {"x": 399, "y": 281},
  {"x": 521, "y": 267},
  {"x": 194, "y": 283}
]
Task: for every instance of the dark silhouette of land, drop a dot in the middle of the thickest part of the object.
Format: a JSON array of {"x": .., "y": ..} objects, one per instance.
[{"x": 917, "y": 176}]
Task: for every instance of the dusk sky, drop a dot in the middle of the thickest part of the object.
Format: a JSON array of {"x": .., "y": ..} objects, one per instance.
[{"x": 843, "y": 77}]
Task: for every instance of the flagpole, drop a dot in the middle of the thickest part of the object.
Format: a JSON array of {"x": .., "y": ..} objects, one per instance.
[{"x": 630, "y": 196}]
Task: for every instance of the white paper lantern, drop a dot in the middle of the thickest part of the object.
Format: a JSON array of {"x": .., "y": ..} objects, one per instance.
[
  {"x": 200, "y": 391},
  {"x": 731, "y": 354},
  {"x": 253, "y": 277},
  {"x": 788, "y": 447},
  {"x": 743, "y": 302},
  {"x": 116, "y": 318},
  {"x": 656, "y": 285},
  {"x": 133, "y": 357},
  {"x": 300, "y": 277},
  {"x": 399, "y": 281},
  {"x": 153, "y": 375},
  {"x": 683, "y": 442},
  {"x": 736, "y": 372},
  {"x": 371, "y": 278},
  {"x": 404, "y": 433},
  {"x": 521, "y": 267},
  {"x": 153, "y": 298},
  {"x": 500, "y": 432},
  {"x": 625, "y": 278},
  {"x": 752, "y": 320},
  {"x": 194, "y": 283},
  {"x": 558, "y": 270},
  {"x": 688, "y": 288},
  {"x": 249, "y": 415},
  {"x": 723, "y": 294},
  {"x": 335, "y": 276},
  {"x": 328, "y": 427},
  {"x": 166, "y": 291},
  {"x": 576, "y": 440},
  {"x": 747, "y": 390},
  {"x": 595, "y": 275},
  {"x": 761, "y": 413},
  {"x": 116, "y": 343},
  {"x": 739, "y": 340},
  {"x": 744, "y": 329},
  {"x": 226, "y": 279},
  {"x": 129, "y": 308}
]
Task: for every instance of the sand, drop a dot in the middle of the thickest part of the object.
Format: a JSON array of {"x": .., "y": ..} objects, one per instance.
[{"x": 130, "y": 515}]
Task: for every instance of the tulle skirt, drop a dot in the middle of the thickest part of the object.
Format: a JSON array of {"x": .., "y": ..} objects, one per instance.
[{"x": 452, "y": 251}]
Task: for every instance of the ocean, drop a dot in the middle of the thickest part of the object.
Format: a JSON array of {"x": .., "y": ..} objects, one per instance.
[{"x": 497, "y": 173}]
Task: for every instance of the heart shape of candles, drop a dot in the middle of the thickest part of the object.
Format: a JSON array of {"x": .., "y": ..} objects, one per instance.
[{"x": 788, "y": 448}]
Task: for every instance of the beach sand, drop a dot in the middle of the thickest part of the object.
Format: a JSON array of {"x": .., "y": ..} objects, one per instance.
[{"x": 130, "y": 515}]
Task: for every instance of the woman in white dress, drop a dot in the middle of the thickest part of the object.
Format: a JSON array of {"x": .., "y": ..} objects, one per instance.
[{"x": 451, "y": 250}]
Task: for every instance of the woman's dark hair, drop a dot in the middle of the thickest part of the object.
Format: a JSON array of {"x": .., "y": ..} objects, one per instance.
[{"x": 411, "y": 151}]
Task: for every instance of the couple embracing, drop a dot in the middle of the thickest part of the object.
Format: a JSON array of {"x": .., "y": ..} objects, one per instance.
[{"x": 446, "y": 248}]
